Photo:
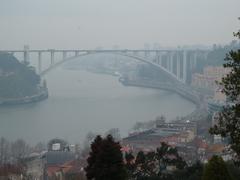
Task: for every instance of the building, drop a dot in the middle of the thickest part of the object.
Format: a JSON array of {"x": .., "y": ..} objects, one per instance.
[
  {"x": 58, "y": 154},
  {"x": 171, "y": 133},
  {"x": 208, "y": 79}
]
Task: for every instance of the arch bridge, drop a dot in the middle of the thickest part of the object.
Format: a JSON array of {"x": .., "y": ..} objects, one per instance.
[{"x": 174, "y": 63}]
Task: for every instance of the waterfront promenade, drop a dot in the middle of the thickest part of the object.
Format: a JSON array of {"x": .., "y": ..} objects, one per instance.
[
  {"x": 183, "y": 90},
  {"x": 41, "y": 95}
]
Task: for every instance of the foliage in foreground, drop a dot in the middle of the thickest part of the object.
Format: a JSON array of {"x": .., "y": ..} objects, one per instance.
[
  {"x": 229, "y": 119},
  {"x": 216, "y": 169},
  {"x": 105, "y": 160}
]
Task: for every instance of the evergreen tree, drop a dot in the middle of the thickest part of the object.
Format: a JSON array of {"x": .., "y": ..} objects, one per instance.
[
  {"x": 216, "y": 169},
  {"x": 130, "y": 165},
  {"x": 167, "y": 155},
  {"x": 193, "y": 172},
  {"x": 153, "y": 164},
  {"x": 146, "y": 165},
  {"x": 229, "y": 119},
  {"x": 105, "y": 161}
]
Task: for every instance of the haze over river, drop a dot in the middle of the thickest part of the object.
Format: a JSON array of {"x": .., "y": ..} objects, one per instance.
[{"x": 80, "y": 101}]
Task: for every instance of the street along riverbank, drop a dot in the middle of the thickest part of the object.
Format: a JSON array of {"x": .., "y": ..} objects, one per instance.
[{"x": 41, "y": 95}]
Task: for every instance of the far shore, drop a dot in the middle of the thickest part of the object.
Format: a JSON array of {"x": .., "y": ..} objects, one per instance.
[{"x": 41, "y": 95}]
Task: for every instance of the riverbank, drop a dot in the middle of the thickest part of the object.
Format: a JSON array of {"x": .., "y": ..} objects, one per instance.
[
  {"x": 41, "y": 95},
  {"x": 181, "y": 90}
]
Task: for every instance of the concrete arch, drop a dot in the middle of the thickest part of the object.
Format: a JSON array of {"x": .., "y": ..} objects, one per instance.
[{"x": 169, "y": 74}]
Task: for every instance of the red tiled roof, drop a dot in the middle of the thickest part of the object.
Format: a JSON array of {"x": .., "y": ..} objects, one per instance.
[
  {"x": 200, "y": 143},
  {"x": 51, "y": 170},
  {"x": 10, "y": 169},
  {"x": 216, "y": 148}
]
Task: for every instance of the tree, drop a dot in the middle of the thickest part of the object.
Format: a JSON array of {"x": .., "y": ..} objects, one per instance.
[
  {"x": 19, "y": 150},
  {"x": 40, "y": 146},
  {"x": 168, "y": 156},
  {"x": 87, "y": 142},
  {"x": 216, "y": 169},
  {"x": 130, "y": 165},
  {"x": 4, "y": 151},
  {"x": 153, "y": 164},
  {"x": 105, "y": 160},
  {"x": 229, "y": 119},
  {"x": 192, "y": 172},
  {"x": 145, "y": 165},
  {"x": 115, "y": 133}
]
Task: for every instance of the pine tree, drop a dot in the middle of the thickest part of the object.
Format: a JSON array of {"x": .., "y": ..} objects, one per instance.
[
  {"x": 229, "y": 119},
  {"x": 167, "y": 155},
  {"x": 105, "y": 161},
  {"x": 216, "y": 169}
]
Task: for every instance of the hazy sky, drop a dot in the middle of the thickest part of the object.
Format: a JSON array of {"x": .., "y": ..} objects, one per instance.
[{"x": 127, "y": 23}]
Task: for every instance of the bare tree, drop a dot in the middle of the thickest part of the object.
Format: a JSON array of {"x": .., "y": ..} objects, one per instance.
[
  {"x": 4, "y": 151},
  {"x": 40, "y": 147},
  {"x": 114, "y": 132},
  {"x": 19, "y": 149}
]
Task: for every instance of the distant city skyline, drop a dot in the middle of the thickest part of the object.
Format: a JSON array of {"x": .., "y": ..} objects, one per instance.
[{"x": 128, "y": 24}]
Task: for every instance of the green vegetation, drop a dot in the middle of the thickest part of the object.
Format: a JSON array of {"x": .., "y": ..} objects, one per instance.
[
  {"x": 157, "y": 164},
  {"x": 216, "y": 169},
  {"x": 16, "y": 79},
  {"x": 216, "y": 56},
  {"x": 105, "y": 160},
  {"x": 229, "y": 121}
]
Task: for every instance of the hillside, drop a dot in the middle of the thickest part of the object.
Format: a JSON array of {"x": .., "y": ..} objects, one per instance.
[{"x": 16, "y": 79}]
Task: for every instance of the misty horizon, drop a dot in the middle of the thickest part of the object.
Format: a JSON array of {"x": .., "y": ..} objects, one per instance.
[{"x": 128, "y": 24}]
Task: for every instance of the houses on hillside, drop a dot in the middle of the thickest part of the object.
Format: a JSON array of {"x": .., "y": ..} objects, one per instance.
[
  {"x": 182, "y": 135},
  {"x": 59, "y": 162}
]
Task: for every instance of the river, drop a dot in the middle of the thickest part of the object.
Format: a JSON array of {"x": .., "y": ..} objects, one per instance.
[{"x": 80, "y": 101}]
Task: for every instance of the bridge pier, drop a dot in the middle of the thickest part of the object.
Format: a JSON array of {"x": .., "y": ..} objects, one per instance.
[
  {"x": 178, "y": 66},
  {"x": 26, "y": 54},
  {"x": 76, "y": 53},
  {"x": 159, "y": 58},
  {"x": 39, "y": 62},
  {"x": 171, "y": 62},
  {"x": 184, "y": 66},
  {"x": 64, "y": 54},
  {"x": 195, "y": 56},
  {"x": 52, "y": 57},
  {"x": 168, "y": 62}
]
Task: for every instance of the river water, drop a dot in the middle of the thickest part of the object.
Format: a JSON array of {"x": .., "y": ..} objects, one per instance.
[{"x": 80, "y": 101}]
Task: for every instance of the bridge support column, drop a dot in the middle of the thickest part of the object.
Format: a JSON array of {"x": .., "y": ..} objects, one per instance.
[
  {"x": 39, "y": 62},
  {"x": 52, "y": 57},
  {"x": 158, "y": 57},
  {"x": 195, "y": 56},
  {"x": 64, "y": 54},
  {"x": 26, "y": 54},
  {"x": 76, "y": 53},
  {"x": 184, "y": 66},
  {"x": 168, "y": 62},
  {"x": 178, "y": 66},
  {"x": 161, "y": 60},
  {"x": 171, "y": 62}
]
